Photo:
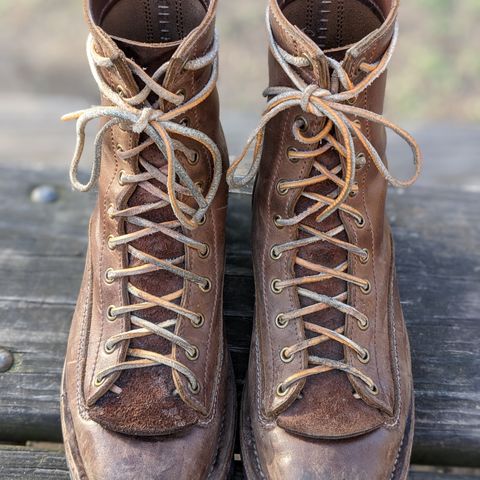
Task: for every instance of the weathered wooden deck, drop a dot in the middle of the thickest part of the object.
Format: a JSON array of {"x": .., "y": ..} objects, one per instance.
[{"x": 42, "y": 246}]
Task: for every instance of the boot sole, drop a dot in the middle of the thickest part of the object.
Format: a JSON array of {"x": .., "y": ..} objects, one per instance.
[
  {"x": 221, "y": 469},
  {"x": 252, "y": 469}
]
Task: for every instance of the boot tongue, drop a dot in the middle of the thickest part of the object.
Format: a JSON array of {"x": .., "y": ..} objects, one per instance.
[{"x": 149, "y": 56}]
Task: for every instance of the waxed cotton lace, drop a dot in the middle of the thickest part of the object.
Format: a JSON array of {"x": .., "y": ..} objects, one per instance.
[
  {"x": 137, "y": 114},
  {"x": 335, "y": 107}
]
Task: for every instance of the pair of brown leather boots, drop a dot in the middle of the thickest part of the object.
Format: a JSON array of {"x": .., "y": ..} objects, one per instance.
[{"x": 148, "y": 390}]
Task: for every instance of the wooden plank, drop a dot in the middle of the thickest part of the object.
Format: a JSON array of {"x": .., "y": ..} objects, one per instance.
[
  {"x": 438, "y": 250},
  {"x": 29, "y": 463},
  {"x": 25, "y": 463}
]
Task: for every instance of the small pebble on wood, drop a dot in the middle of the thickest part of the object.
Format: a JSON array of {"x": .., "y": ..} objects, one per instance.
[
  {"x": 6, "y": 360},
  {"x": 44, "y": 194}
]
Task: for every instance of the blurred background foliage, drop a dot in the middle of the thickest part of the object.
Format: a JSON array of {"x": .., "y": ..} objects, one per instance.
[{"x": 435, "y": 74}]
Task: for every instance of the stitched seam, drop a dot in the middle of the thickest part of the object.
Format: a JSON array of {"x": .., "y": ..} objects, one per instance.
[
  {"x": 102, "y": 256},
  {"x": 221, "y": 362},
  {"x": 215, "y": 310},
  {"x": 219, "y": 438},
  {"x": 264, "y": 256},
  {"x": 254, "y": 444},
  {"x": 398, "y": 394},
  {"x": 287, "y": 32},
  {"x": 372, "y": 239},
  {"x": 81, "y": 346},
  {"x": 397, "y": 457},
  {"x": 374, "y": 269}
]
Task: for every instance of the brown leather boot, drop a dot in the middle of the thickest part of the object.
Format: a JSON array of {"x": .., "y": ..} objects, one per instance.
[
  {"x": 147, "y": 390},
  {"x": 329, "y": 390}
]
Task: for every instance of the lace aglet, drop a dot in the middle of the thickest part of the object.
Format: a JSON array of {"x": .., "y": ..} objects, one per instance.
[{"x": 70, "y": 116}]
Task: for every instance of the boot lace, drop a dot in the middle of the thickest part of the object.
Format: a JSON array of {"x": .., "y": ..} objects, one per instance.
[
  {"x": 139, "y": 115},
  {"x": 335, "y": 107}
]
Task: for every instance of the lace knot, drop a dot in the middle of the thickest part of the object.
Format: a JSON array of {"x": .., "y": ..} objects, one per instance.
[
  {"x": 146, "y": 116},
  {"x": 310, "y": 91}
]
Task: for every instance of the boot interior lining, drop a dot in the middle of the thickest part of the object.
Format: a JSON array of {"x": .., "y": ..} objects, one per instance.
[
  {"x": 333, "y": 24},
  {"x": 149, "y": 21}
]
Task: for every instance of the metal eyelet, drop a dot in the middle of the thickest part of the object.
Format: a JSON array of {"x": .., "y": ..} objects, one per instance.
[
  {"x": 363, "y": 326},
  {"x": 109, "y": 350},
  {"x": 276, "y": 219},
  {"x": 302, "y": 124},
  {"x": 274, "y": 254},
  {"x": 182, "y": 93},
  {"x": 111, "y": 210},
  {"x": 199, "y": 323},
  {"x": 99, "y": 382},
  {"x": 354, "y": 193},
  {"x": 285, "y": 357},
  {"x": 202, "y": 220},
  {"x": 373, "y": 389},
  {"x": 358, "y": 123},
  {"x": 365, "y": 358},
  {"x": 192, "y": 356},
  {"x": 352, "y": 101},
  {"x": 121, "y": 173},
  {"x": 120, "y": 148},
  {"x": 281, "y": 392},
  {"x": 193, "y": 389},
  {"x": 207, "y": 287},
  {"x": 367, "y": 288},
  {"x": 121, "y": 91},
  {"x": 365, "y": 257},
  {"x": 110, "y": 316},
  {"x": 193, "y": 160},
  {"x": 360, "y": 161},
  {"x": 280, "y": 321},
  {"x": 291, "y": 150},
  {"x": 205, "y": 253},
  {"x": 274, "y": 286},
  {"x": 109, "y": 279},
  {"x": 109, "y": 242},
  {"x": 360, "y": 222},
  {"x": 184, "y": 122},
  {"x": 309, "y": 60},
  {"x": 281, "y": 190}
]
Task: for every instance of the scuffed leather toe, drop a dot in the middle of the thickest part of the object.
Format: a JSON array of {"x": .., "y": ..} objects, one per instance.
[{"x": 278, "y": 455}]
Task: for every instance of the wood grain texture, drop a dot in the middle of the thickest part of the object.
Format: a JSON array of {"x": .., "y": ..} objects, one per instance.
[
  {"x": 437, "y": 235},
  {"x": 27, "y": 464},
  {"x": 36, "y": 464}
]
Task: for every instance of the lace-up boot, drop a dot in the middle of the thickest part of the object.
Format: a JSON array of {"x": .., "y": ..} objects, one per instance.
[
  {"x": 147, "y": 391},
  {"x": 329, "y": 389}
]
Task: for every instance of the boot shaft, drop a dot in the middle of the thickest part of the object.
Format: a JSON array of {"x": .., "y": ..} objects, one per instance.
[
  {"x": 159, "y": 221},
  {"x": 323, "y": 254}
]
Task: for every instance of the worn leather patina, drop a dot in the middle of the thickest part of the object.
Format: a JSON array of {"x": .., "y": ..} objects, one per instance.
[
  {"x": 147, "y": 388},
  {"x": 329, "y": 387}
]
